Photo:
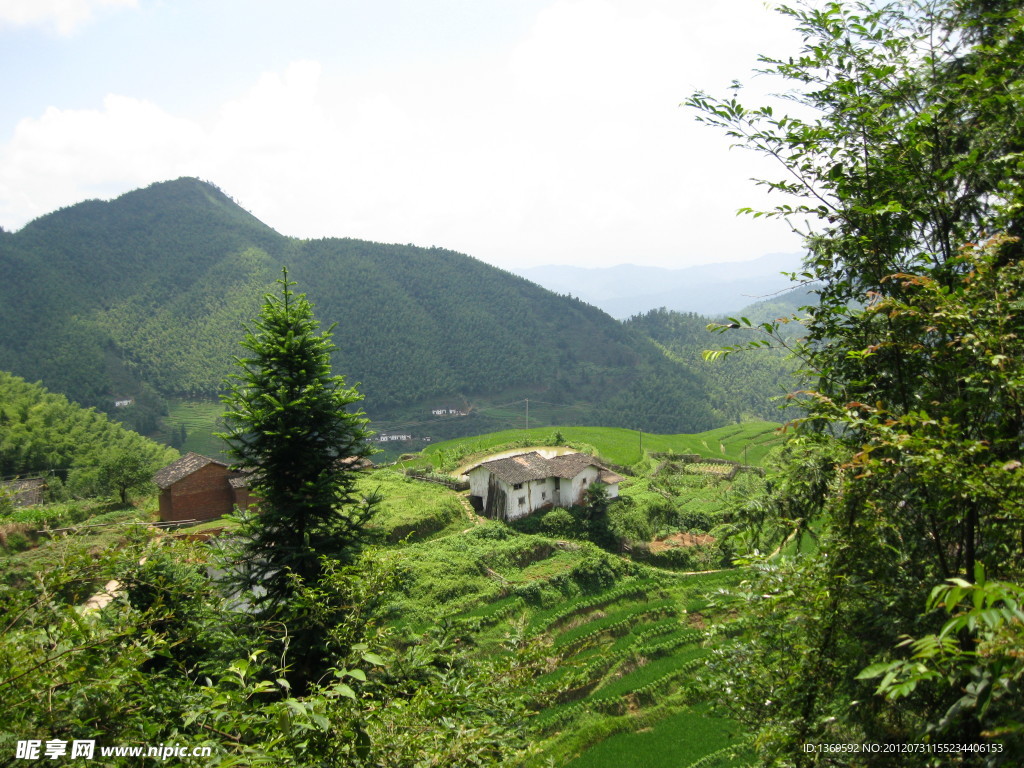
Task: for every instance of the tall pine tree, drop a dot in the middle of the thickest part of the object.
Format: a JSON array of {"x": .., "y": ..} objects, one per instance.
[{"x": 291, "y": 425}]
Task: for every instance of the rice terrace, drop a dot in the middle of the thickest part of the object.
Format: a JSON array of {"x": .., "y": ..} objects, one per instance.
[{"x": 632, "y": 482}]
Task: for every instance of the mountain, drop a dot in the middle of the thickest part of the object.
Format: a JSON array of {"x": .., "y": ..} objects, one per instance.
[
  {"x": 43, "y": 432},
  {"x": 709, "y": 289},
  {"x": 144, "y": 297}
]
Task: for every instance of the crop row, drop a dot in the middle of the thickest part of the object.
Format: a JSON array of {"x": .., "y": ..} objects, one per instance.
[
  {"x": 651, "y": 673},
  {"x": 614, "y": 704},
  {"x": 656, "y": 650},
  {"x": 606, "y": 661},
  {"x": 725, "y": 753},
  {"x": 615, "y": 630},
  {"x": 635, "y": 589},
  {"x": 648, "y": 693}
]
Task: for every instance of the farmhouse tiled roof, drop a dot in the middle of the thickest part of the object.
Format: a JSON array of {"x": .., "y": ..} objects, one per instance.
[
  {"x": 183, "y": 467},
  {"x": 569, "y": 465},
  {"x": 533, "y": 466},
  {"x": 609, "y": 478},
  {"x": 519, "y": 469}
]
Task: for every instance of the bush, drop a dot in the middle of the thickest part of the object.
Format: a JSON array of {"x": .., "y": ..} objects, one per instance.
[
  {"x": 595, "y": 573},
  {"x": 492, "y": 529},
  {"x": 630, "y": 522},
  {"x": 695, "y": 521},
  {"x": 531, "y": 592},
  {"x": 14, "y": 538},
  {"x": 560, "y": 523}
]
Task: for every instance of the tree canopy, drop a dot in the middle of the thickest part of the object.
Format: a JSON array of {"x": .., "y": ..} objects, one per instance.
[
  {"x": 902, "y": 168},
  {"x": 290, "y": 426}
]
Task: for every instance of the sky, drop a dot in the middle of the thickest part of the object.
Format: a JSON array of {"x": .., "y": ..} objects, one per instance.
[{"x": 520, "y": 132}]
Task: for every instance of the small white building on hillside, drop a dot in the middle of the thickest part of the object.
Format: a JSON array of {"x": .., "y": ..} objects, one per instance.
[{"x": 515, "y": 486}]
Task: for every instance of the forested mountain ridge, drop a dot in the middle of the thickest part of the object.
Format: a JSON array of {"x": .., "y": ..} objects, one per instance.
[
  {"x": 747, "y": 385},
  {"x": 145, "y": 296}
]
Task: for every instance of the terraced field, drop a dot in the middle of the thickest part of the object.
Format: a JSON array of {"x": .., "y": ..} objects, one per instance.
[
  {"x": 747, "y": 443},
  {"x": 200, "y": 418},
  {"x": 623, "y": 636},
  {"x": 621, "y": 652}
]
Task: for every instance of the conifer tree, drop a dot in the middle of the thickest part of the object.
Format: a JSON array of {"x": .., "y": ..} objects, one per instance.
[{"x": 289, "y": 424}]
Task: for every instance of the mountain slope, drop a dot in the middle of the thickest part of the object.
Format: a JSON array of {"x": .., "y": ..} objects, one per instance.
[
  {"x": 707, "y": 289},
  {"x": 145, "y": 296}
]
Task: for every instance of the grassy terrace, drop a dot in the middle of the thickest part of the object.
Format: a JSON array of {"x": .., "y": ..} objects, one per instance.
[
  {"x": 624, "y": 641},
  {"x": 747, "y": 442},
  {"x": 623, "y": 647}
]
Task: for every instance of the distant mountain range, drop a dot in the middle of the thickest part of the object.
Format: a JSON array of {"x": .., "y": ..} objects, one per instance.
[
  {"x": 713, "y": 290},
  {"x": 144, "y": 297}
]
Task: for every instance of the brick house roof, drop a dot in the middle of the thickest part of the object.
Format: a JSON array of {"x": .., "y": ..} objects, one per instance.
[{"x": 183, "y": 467}]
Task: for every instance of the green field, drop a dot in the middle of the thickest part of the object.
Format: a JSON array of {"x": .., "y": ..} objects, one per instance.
[
  {"x": 201, "y": 419},
  {"x": 623, "y": 633},
  {"x": 624, "y": 642},
  {"x": 410, "y": 510},
  {"x": 747, "y": 443}
]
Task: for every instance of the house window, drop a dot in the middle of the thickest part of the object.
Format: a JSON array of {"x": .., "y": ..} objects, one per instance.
[
  {"x": 558, "y": 483},
  {"x": 543, "y": 495},
  {"x": 516, "y": 486},
  {"x": 522, "y": 501}
]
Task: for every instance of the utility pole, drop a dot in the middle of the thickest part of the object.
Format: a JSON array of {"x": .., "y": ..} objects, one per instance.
[
  {"x": 641, "y": 432},
  {"x": 527, "y": 413}
]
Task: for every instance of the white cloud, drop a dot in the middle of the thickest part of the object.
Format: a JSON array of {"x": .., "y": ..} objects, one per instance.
[
  {"x": 67, "y": 155},
  {"x": 63, "y": 16},
  {"x": 569, "y": 148}
]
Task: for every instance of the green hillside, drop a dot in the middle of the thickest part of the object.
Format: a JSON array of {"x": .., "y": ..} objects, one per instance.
[
  {"x": 144, "y": 297},
  {"x": 750, "y": 384},
  {"x": 747, "y": 442},
  {"x": 42, "y": 433}
]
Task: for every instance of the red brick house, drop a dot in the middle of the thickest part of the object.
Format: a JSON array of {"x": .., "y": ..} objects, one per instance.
[{"x": 197, "y": 487}]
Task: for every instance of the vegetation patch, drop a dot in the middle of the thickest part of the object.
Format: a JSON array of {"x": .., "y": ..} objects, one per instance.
[{"x": 677, "y": 741}]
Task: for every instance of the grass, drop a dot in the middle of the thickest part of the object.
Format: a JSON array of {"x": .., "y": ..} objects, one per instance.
[
  {"x": 747, "y": 442},
  {"x": 108, "y": 528},
  {"x": 411, "y": 509},
  {"x": 674, "y": 742},
  {"x": 201, "y": 419},
  {"x": 622, "y": 657}
]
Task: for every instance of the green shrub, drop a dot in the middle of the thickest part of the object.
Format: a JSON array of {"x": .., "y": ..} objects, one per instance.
[
  {"x": 531, "y": 592},
  {"x": 693, "y": 520},
  {"x": 560, "y": 523},
  {"x": 630, "y": 522},
  {"x": 14, "y": 540},
  {"x": 596, "y": 572}
]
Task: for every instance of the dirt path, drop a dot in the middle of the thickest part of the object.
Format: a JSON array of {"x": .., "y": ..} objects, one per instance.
[
  {"x": 474, "y": 518},
  {"x": 100, "y": 600}
]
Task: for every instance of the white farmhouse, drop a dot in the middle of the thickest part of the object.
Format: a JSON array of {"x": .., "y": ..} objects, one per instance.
[{"x": 513, "y": 487}]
